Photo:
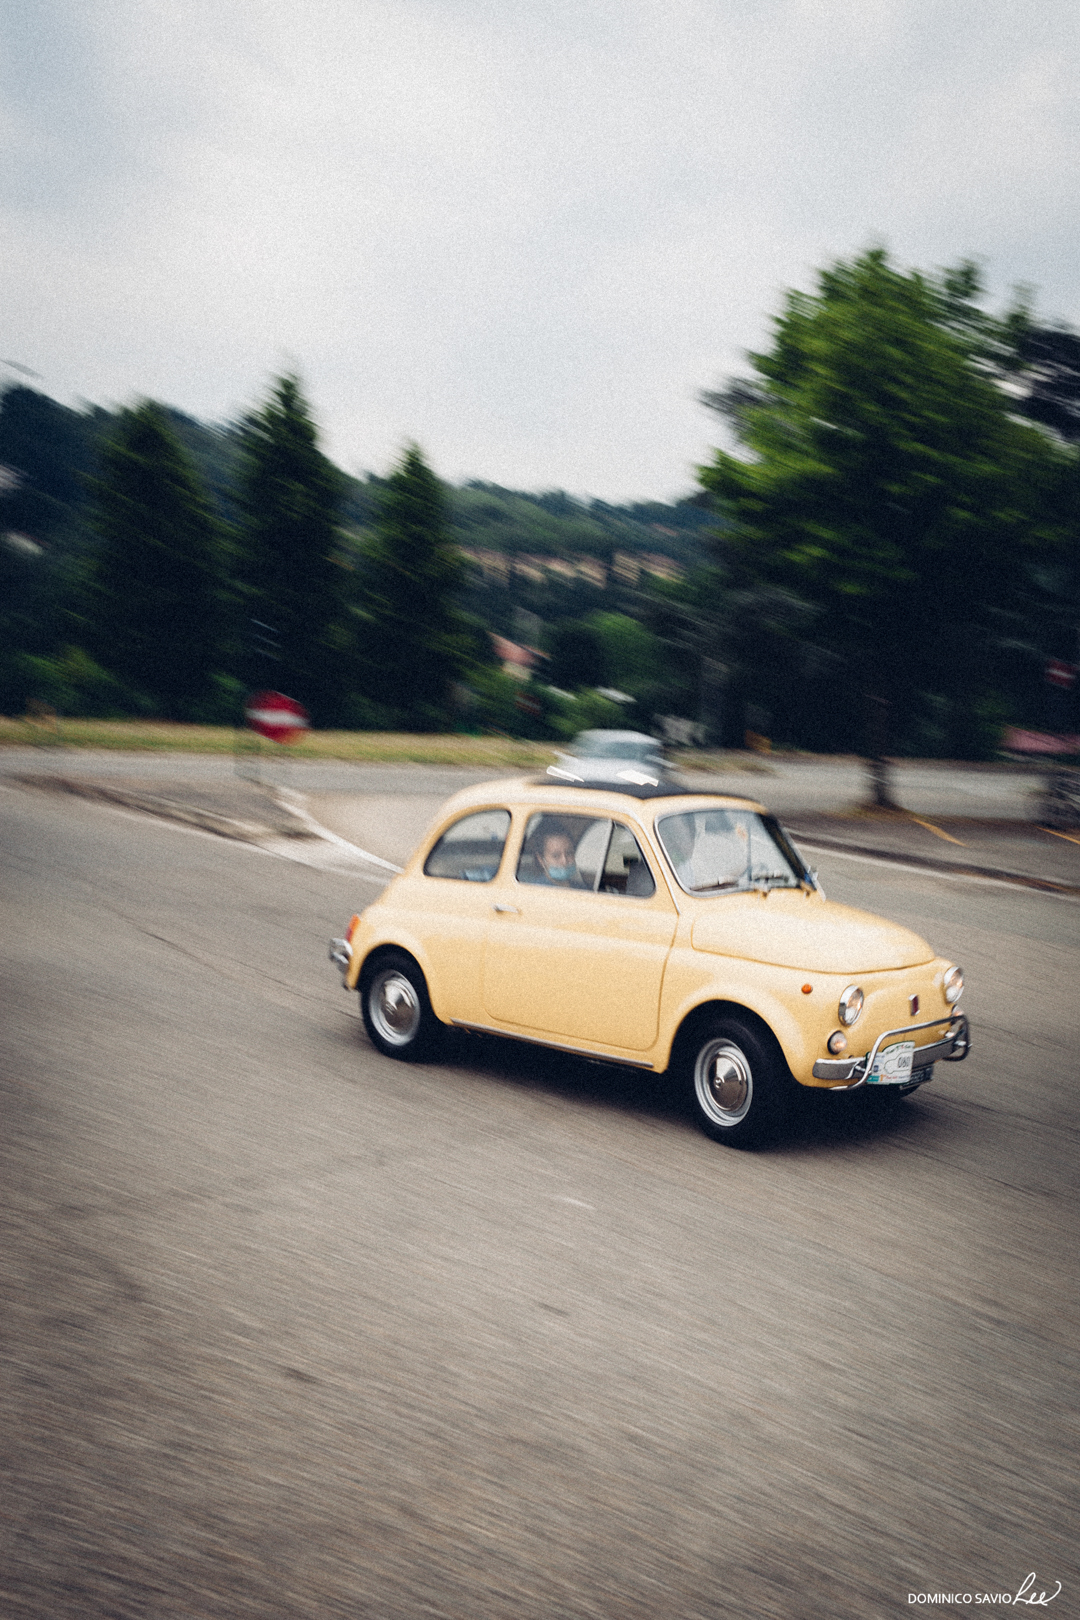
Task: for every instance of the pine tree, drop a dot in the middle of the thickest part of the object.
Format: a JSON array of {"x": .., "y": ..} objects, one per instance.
[
  {"x": 412, "y": 638},
  {"x": 152, "y": 598},
  {"x": 290, "y": 495}
]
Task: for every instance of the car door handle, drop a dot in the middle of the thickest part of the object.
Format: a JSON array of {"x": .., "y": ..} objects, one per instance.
[{"x": 513, "y": 909}]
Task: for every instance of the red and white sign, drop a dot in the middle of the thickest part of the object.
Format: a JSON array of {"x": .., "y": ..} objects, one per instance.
[
  {"x": 1059, "y": 673},
  {"x": 276, "y": 716}
]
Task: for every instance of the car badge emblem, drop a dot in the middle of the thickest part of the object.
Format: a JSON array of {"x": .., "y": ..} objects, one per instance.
[{"x": 913, "y": 1005}]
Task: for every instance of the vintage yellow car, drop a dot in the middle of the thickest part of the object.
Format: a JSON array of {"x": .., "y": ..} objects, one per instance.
[{"x": 611, "y": 913}]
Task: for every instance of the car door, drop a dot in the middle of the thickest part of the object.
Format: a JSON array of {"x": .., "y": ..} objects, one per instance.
[
  {"x": 581, "y": 959},
  {"x": 449, "y": 906}
]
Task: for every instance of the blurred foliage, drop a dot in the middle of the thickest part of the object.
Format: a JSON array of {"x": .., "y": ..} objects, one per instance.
[
  {"x": 882, "y": 557},
  {"x": 556, "y": 524},
  {"x": 290, "y": 594},
  {"x": 577, "y": 658},
  {"x": 889, "y": 493},
  {"x": 413, "y": 639},
  {"x": 1048, "y": 374},
  {"x": 295, "y": 558},
  {"x": 587, "y": 711},
  {"x": 71, "y": 683},
  {"x": 152, "y": 587}
]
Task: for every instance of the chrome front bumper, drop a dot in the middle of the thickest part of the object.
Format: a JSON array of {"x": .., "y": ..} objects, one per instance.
[{"x": 953, "y": 1047}]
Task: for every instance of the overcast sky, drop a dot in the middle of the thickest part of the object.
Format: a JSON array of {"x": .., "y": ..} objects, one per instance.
[{"x": 524, "y": 233}]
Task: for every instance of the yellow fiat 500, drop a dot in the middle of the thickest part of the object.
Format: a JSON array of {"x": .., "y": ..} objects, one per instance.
[{"x": 634, "y": 920}]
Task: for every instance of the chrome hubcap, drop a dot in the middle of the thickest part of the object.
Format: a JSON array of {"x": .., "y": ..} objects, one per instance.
[
  {"x": 723, "y": 1082},
  {"x": 394, "y": 1007}
]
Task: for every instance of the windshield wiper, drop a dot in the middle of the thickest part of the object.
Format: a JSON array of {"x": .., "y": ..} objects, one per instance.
[{"x": 703, "y": 888}]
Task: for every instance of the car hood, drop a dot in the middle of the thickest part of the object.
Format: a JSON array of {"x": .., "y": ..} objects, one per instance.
[{"x": 789, "y": 929}]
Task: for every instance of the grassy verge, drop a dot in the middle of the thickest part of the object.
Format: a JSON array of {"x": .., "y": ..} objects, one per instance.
[
  {"x": 373, "y": 747},
  {"x": 365, "y": 747}
]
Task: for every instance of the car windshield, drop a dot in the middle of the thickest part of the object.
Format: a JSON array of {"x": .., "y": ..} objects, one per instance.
[
  {"x": 724, "y": 851},
  {"x": 615, "y": 745}
]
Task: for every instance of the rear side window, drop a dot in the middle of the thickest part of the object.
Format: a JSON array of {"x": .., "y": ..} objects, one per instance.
[{"x": 471, "y": 849}]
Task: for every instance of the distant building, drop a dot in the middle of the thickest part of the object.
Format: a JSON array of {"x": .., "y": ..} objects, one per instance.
[
  {"x": 516, "y": 660},
  {"x": 494, "y": 565},
  {"x": 501, "y": 567},
  {"x": 628, "y": 566},
  {"x": 594, "y": 571}
]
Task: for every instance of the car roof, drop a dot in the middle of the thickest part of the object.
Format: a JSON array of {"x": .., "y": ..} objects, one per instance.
[
  {"x": 539, "y": 792},
  {"x": 640, "y": 778}
]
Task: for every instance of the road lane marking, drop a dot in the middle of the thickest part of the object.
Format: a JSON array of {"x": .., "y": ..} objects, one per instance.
[
  {"x": 1068, "y": 837},
  {"x": 294, "y": 801},
  {"x": 929, "y": 825}
]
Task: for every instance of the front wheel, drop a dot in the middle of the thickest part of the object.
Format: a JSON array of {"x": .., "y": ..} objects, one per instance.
[
  {"x": 737, "y": 1081},
  {"x": 396, "y": 1009}
]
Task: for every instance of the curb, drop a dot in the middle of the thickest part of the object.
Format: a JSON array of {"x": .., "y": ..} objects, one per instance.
[
  {"x": 248, "y": 832},
  {"x": 955, "y": 868}
]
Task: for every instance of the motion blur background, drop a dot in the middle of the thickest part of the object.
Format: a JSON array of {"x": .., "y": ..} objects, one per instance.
[{"x": 540, "y": 244}]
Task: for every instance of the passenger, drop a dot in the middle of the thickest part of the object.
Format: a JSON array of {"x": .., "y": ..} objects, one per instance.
[
  {"x": 556, "y": 858},
  {"x": 549, "y": 856}
]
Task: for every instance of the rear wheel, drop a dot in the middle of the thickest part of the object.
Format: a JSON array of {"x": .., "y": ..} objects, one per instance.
[
  {"x": 737, "y": 1082},
  {"x": 396, "y": 1008}
]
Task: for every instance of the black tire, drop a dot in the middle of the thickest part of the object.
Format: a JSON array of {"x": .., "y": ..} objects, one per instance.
[
  {"x": 396, "y": 1008},
  {"x": 736, "y": 1081}
]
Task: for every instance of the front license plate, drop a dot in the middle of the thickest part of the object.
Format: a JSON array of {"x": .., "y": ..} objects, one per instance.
[{"x": 892, "y": 1066}]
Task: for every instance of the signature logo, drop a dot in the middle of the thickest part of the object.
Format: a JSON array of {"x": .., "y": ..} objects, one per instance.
[
  {"x": 1028, "y": 1594},
  {"x": 1038, "y": 1598}
]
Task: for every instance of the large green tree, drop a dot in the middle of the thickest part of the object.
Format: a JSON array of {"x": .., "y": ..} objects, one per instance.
[
  {"x": 413, "y": 643},
  {"x": 291, "y": 582},
  {"x": 153, "y": 591},
  {"x": 886, "y": 483}
]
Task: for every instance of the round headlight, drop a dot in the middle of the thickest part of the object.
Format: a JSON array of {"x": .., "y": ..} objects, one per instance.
[
  {"x": 850, "y": 1004},
  {"x": 953, "y": 984},
  {"x": 837, "y": 1041}
]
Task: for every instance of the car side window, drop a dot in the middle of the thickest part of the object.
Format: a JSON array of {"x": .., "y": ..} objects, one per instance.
[
  {"x": 563, "y": 851},
  {"x": 471, "y": 849},
  {"x": 626, "y": 870}
]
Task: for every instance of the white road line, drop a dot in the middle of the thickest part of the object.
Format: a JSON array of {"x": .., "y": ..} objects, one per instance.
[{"x": 295, "y": 803}]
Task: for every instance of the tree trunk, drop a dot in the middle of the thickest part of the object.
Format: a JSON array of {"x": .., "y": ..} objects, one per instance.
[
  {"x": 711, "y": 700},
  {"x": 878, "y": 726}
]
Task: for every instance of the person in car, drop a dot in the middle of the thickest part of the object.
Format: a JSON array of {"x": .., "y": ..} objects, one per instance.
[{"x": 555, "y": 858}]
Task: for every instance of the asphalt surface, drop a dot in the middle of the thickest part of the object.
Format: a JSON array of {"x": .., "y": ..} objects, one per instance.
[{"x": 295, "y": 1331}]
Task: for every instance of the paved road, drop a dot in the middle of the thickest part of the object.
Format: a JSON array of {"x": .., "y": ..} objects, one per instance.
[{"x": 293, "y": 1331}]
